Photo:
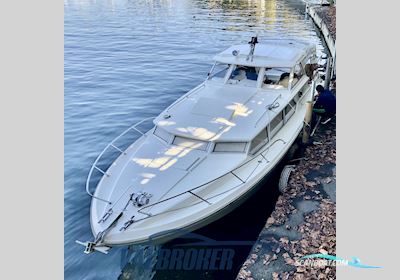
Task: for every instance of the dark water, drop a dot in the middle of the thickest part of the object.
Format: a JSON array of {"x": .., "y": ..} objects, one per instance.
[{"x": 127, "y": 60}]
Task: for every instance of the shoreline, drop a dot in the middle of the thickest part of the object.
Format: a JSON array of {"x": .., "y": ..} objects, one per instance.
[
  {"x": 324, "y": 18},
  {"x": 304, "y": 219}
]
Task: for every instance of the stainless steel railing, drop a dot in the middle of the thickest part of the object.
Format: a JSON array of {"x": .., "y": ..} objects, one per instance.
[{"x": 113, "y": 146}]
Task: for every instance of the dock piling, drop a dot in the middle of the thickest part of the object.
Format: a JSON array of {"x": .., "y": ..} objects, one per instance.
[
  {"x": 307, "y": 122},
  {"x": 328, "y": 72}
]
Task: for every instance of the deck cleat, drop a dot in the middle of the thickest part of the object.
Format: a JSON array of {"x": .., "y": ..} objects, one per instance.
[
  {"x": 106, "y": 216},
  {"x": 127, "y": 223}
]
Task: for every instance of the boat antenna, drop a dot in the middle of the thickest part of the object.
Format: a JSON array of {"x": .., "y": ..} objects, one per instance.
[{"x": 252, "y": 43}]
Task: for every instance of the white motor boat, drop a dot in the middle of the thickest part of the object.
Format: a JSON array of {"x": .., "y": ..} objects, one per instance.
[{"x": 207, "y": 151}]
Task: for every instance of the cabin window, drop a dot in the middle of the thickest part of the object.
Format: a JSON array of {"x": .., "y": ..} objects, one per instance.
[
  {"x": 244, "y": 73},
  {"x": 298, "y": 73},
  {"x": 238, "y": 147},
  {"x": 259, "y": 141},
  {"x": 219, "y": 71},
  {"x": 251, "y": 73},
  {"x": 299, "y": 70},
  {"x": 238, "y": 74},
  {"x": 289, "y": 110},
  {"x": 276, "y": 123},
  {"x": 190, "y": 143},
  {"x": 277, "y": 78},
  {"x": 162, "y": 134}
]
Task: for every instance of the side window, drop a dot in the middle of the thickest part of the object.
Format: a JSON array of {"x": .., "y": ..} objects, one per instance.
[
  {"x": 297, "y": 73},
  {"x": 259, "y": 141},
  {"x": 277, "y": 76},
  {"x": 276, "y": 123},
  {"x": 298, "y": 70},
  {"x": 284, "y": 80},
  {"x": 290, "y": 109},
  {"x": 239, "y": 147},
  {"x": 190, "y": 143}
]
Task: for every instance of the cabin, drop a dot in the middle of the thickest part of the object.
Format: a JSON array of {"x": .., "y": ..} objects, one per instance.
[{"x": 228, "y": 113}]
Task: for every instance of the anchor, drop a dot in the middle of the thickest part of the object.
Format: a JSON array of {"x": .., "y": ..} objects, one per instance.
[{"x": 97, "y": 243}]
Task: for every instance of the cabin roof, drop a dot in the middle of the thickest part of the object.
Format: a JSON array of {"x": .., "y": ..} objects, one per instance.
[
  {"x": 221, "y": 113},
  {"x": 227, "y": 112},
  {"x": 284, "y": 53}
]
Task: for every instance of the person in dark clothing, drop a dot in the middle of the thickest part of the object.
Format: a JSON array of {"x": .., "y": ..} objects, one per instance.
[{"x": 326, "y": 102}]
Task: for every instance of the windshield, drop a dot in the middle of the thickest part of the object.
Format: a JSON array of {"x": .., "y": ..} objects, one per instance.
[
  {"x": 218, "y": 71},
  {"x": 244, "y": 72},
  {"x": 244, "y": 75},
  {"x": 276, "y": 78}
]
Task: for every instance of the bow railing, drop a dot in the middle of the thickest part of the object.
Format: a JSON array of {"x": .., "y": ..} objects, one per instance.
[{"x": 114, "y": 146}]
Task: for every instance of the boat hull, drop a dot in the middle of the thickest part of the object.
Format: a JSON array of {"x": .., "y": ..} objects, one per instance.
[{"x": 163, "y": 237}]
